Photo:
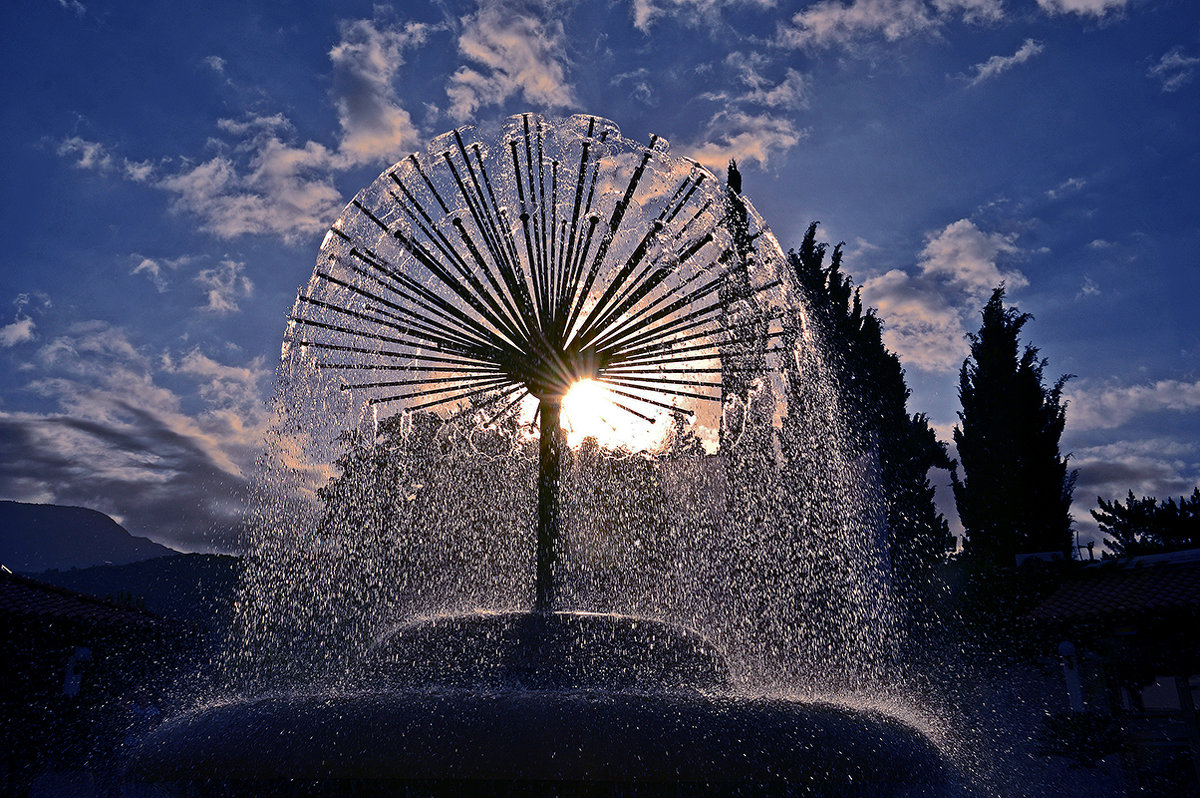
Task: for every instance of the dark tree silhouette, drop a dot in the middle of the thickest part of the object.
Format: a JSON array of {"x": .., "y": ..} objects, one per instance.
[
  {"x": 876, "y": 397},
  {"x": 1015, "y": 493},
  {"x": 1148, "y": 526}
]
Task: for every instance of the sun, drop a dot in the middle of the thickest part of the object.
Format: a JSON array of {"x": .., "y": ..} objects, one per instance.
[{"x": 590, "y": 410}]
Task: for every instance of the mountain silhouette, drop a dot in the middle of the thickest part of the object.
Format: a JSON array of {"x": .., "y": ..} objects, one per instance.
[{"x": 38, "y": 537}]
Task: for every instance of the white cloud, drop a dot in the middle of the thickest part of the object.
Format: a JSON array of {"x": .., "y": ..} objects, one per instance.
[
  {"x": 1089, "y": 288},
  {"x": 156, "y": 269},
  {"x": 1174, "y": 69},
  {"x": 1066, "y": 187},
  {"x": 264, "y": 183},
  {"x": 284, "y": 190},
  {"x": 1097, "y": 8},
  {"x": 921, "y": 323},
  {"x": 694, "y": 12},
  {"x": 88, "y": 154},
  {"x": 925, "y": 315},
  {"x": 74, "y": 6},
  {"x": 1108, "y": 405},
  {"x": 966, "y": 258},
  {"x": 745, "y": 137},
  {"x": 94, "y": 156},
  {"x": 153, "y": 272},
  {"x": 836, "y": 23},
  {"x": 224, "y": 286},
  {"x": 365, "y": 64},
  {"x": 516, "y": 52},
  {"x": 791, "y": 93},
  {"x": 1100, "y": 243},
  {"x": 137, "y": 171},
  {"x": 211, "y": 191},
  {"x": 999, "y": 64},
  {"x": 18, "y": 332},
  {"x": 254, "y": 124},
  {"x": 21, "y": 329}
]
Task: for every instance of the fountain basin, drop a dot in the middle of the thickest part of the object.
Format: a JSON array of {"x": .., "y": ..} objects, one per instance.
[
  {"x": 562, "y": 703},
  {"x": 526, "y": 738}
]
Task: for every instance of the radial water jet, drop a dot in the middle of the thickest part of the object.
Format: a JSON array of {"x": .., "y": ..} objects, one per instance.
[{"x": 726, "y": 545}]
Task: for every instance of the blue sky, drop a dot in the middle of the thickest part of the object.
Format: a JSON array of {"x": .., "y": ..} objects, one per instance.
[{"x": 169, "y": 171}]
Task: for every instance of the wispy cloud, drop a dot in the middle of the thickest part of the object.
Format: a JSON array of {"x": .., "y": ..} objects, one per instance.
[
  {"x": 1067, "y": 187},
  {"x": 639, "y": 83},
  {"x": 691, "y": 12},
  {"x": 756, "y": 120},
  {"x": 156, "y": 269},
  {"x": 1154, "y": 467},
  {"x": 511, "y": 50},
  {"x": 73, "y": 6},
  {"x": 999, "y": 64},
  {"x": 1175, "y": 69},
  {"x": 1158, "y": 467},
  {"x": 224, "y": 285},
  {"x": 260, "y": 180},
  {"x": 790, "y": 93},
  {"x": 94, "y": 156},
  {"x": 1089, "y": 288},
  {"x": 117, "y": 439},
  {"x": 832, "y": 23},
  {"x": 1106, "y": 405},
  {"x": 1095, "y": 8},
  {"x": 365, "y": 64},
  {"x": 745, "y": 137},
  {"x": 21, "y": 329},
  {"x": 925, "y": 315},
  {"x": 87, "y": 154}
]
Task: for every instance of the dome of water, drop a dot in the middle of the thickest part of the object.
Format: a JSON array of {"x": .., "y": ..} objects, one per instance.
[
  {"x": 502, "y": 267},
  {"x": 547, "y": 368}
]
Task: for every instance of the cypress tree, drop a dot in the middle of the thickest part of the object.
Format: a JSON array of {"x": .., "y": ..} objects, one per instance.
[
  {"x": 875, "y": 398},
  {"x": 1015, "y": 493}
]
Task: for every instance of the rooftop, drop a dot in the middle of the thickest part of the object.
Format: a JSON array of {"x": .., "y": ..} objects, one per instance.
[
  {"x": 25, "y": 598},
  {"x": 1141, "y": 585}
]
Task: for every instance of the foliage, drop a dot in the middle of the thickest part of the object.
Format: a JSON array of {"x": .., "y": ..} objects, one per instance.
[
  {"x": 436, "y": 515},
  {"x": 743, "y": 359},
  {"x": 875, "y": 403},
  {"x": 1083, "y": 737},
  {"x": 1015, "y": 494},
  {"x": 1149, "y": 526}
]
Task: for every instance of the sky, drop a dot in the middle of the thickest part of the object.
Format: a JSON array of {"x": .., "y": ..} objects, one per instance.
[{"x": 169, "y": 171}]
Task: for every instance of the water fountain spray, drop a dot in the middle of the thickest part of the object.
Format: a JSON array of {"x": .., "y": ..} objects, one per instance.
[
  {"x": 502, "y": 272},
  {"x": 482, "y": 280}
]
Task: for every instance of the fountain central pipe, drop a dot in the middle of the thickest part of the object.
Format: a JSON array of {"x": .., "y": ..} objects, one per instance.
[{"x": 550, "y": 449}]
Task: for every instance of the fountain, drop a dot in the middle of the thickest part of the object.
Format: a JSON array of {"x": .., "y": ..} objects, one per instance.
[{"x": 599, "y": 341}]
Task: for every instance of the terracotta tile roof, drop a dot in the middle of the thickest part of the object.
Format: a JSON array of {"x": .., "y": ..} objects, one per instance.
[
  {"x": 21, "y": 597},
  {"x": 1125, "y": 590}
]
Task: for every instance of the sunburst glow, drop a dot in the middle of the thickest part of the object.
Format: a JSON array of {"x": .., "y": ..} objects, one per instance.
[{"x": 590, "y": 411}]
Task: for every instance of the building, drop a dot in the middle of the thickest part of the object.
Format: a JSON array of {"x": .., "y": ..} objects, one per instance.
[
  {"x": 1130, "y": 644},
  {"x": 79, "y": 674}
]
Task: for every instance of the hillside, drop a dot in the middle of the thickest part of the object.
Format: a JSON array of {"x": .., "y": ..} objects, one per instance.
[
  {"x": 196, "y": 589},
  {"x": 37, "y": 537}
]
